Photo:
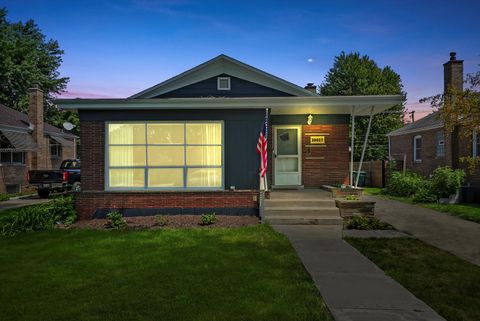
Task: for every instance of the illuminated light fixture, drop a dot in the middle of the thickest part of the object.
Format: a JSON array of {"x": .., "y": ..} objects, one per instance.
[{"x": 309, "y": 119}]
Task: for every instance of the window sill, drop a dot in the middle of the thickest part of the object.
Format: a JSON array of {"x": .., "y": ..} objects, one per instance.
[
  {"x": 417, "y": 161},
  {"x": 12, "y": 165}
]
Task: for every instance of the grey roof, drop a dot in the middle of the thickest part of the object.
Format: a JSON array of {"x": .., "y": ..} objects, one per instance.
[
  {"x": 430, "y": 121},
  {"x": 13, "y": 118}
]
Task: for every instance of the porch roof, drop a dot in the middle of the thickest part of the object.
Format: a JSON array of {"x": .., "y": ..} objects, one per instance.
[{"x": 359, "y": 105}]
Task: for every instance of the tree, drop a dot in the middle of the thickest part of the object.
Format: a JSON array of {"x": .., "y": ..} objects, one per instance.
[
  {"x": 27, "y": 58},
  {"x": 460, "y": 111},
  {"x": 353, "y": 75}
]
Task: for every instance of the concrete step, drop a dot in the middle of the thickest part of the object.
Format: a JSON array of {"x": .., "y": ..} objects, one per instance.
[
  {"x": 299, "y": 203},
  {"x": 304, "y": 220},
  {"x": 302, "y": 211}
]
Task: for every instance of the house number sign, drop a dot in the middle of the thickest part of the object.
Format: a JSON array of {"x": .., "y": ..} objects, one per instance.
[{"x": 316, "y": 140}]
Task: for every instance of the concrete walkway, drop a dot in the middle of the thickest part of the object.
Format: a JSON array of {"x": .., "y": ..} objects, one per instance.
[
  {"x": 352, "y": 286},
  {"x": 449, "y": 233},
  {"x": 21, "y": 202}
]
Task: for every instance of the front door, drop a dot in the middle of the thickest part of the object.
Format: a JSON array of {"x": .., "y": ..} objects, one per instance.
[{"x": 287, "y": 155}]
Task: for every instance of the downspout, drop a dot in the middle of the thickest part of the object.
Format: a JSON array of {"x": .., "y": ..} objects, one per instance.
[{"x": 351, "y": 145}]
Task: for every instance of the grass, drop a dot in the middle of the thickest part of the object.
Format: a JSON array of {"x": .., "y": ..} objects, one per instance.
[
  {"x": 6, "y": 197},
  {"x": 249, "y": 273},
  {"x": 451, "y": 286},
  {"x": 470, "y": 212}
]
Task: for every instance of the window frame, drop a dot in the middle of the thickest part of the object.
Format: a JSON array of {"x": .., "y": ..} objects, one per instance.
[
  {"x": 437, "y": 144},
  {"x": 58, "y": 148},
  {"x": 415, "y": 138},
  {"x": 10, "y": 151},
  {"x": 475, "y": 143},
  {"x": 219, "y": 79},
  {"x": 145, "y": 187}
]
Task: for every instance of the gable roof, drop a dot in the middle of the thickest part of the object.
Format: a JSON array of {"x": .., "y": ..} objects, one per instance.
[
  {"x": 18, "y": 120},
  {"x": 430, "y": 121},
  {"x": 223, "y": 64}
]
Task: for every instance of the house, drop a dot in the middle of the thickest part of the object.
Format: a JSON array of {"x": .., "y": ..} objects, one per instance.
[
  {"x": 188, "y": 144},
  {"x": 424, "y": 145},
  {"x": 27, "y": 142}
]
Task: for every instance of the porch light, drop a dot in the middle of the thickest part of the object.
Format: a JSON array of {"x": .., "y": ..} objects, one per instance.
[{"x": 309, "y": 119}]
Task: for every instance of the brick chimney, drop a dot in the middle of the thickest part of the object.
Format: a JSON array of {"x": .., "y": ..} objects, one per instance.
[
  {"x": 453, "y": 73},
  {"x": 35, "y": 115},
  {"x": 311, "y": 87}
]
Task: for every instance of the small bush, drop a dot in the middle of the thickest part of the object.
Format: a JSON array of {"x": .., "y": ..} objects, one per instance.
[
  {"x": 366, "y": 223},
  {"x": 351, "y": 198},
  {"x": 161, "y": 220},
  {"x": 115, "y": 220},
  {"x": 405, "y": 185},
  {"x": 425, "y": 195},
  {"x": 445, "y": 181},
  {"x": 41, "y": 217},
  {"x": 208, "y": 219}
]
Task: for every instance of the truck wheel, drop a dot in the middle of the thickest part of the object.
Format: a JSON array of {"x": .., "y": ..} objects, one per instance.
[
  {"x": 43, "y": 193},
  {"x": 76, "y": 187}
]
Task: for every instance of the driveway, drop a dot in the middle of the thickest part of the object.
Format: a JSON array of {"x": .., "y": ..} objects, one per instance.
[
  {"x": 449, "y": 233},
  {"x": 21, "y": 202}
]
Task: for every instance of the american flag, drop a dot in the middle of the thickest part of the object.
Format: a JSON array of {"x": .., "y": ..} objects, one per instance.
[{"x": 262, "y": 147}]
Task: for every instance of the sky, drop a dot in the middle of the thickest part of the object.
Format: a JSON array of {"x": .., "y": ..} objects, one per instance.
[{"x": 118, "y": 48}]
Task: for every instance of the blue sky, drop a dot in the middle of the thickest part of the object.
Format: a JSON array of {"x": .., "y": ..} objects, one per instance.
[{"x": 117, "y": 48}]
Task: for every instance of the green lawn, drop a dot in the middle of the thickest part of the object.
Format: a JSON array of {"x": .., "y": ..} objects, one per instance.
[
  {"x": 451, "y": 286},
  {"x": 469, "y": 212},
  {"x": 249, "y": 273}
]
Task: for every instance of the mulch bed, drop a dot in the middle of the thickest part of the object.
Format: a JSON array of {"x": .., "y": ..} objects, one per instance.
[{"x": 173, "y": 221}]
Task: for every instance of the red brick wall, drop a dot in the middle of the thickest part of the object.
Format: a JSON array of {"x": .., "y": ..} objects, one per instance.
[
  {"x": 13, "y": 175},
  {"x": 86, "y": 203},
  {"x": 329, "y": 164},
  {"x": 92, "y": 151},
  {"x": 403, "y": 144}
]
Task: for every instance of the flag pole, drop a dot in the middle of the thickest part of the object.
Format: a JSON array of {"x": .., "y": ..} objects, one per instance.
[{"x": 267, "y": 129}]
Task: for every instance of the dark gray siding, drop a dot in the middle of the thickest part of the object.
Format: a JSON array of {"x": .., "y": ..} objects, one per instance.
[
  {"x": 239, "y": 88},
  {"x": 302, "y": 119},
  {"x": 241, "y": 130}
]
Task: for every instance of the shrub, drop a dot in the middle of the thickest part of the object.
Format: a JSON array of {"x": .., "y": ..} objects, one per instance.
[
  {"x": 446, "y": 181},
  {"x": 425, "y": 195},
  {"x": 351, "y": 198},
  {"x": 40, "y": 217},
  {"x": 208, "y": 219},
  {"x": 161, "y": 220},
  {"x": 366, "y": 223},
  {"x": 115, "y": 220},
  {"x": 406, "y": 184}
]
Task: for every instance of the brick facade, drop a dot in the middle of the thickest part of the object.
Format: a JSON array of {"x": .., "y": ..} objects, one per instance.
[
  {"x": 90, "y": 204},
  {"x": 403, "y": 145},
  {"x": 325, "y": 164},
  {"x": 95, "y": 201}
]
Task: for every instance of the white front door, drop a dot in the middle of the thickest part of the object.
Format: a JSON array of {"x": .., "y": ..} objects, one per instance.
[{"x": 287, "y": 155}]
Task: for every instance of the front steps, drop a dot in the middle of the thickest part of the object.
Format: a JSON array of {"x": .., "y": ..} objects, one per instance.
[{"x": 297, "y": 208}]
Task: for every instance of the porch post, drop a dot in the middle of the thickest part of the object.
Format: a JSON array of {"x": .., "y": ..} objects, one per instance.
[
  {"x": 364, "y": 146},
  {"x": 351, "y": 145}
]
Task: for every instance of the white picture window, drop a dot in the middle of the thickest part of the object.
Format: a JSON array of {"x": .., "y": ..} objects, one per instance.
[
  {"x": 223, "y": 83},
  {"x": 161, "y": 155},
  {"x": 417, "y": 148}
]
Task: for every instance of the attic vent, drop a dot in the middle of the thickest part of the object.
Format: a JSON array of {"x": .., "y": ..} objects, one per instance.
[{"x": 223, "y": 83}]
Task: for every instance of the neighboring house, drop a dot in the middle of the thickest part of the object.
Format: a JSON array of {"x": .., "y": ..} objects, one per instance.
[
  {"x": 425, "y": 145},
  {"x": 188, "y": 144},
  {"x": 27, "y": 142}
]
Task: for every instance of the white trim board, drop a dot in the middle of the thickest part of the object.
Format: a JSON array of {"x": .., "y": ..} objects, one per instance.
[
  {"x": 361, "y": 105},
  {"x": 219, "y": 65}
]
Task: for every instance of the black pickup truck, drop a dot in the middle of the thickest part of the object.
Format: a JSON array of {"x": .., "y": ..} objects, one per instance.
[{"x": 64, "y": 179}]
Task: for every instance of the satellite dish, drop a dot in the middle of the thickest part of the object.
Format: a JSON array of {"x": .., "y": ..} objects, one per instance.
[
  {"x": 31, "y": 126},
  {"x": 68, "y": 126}
]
